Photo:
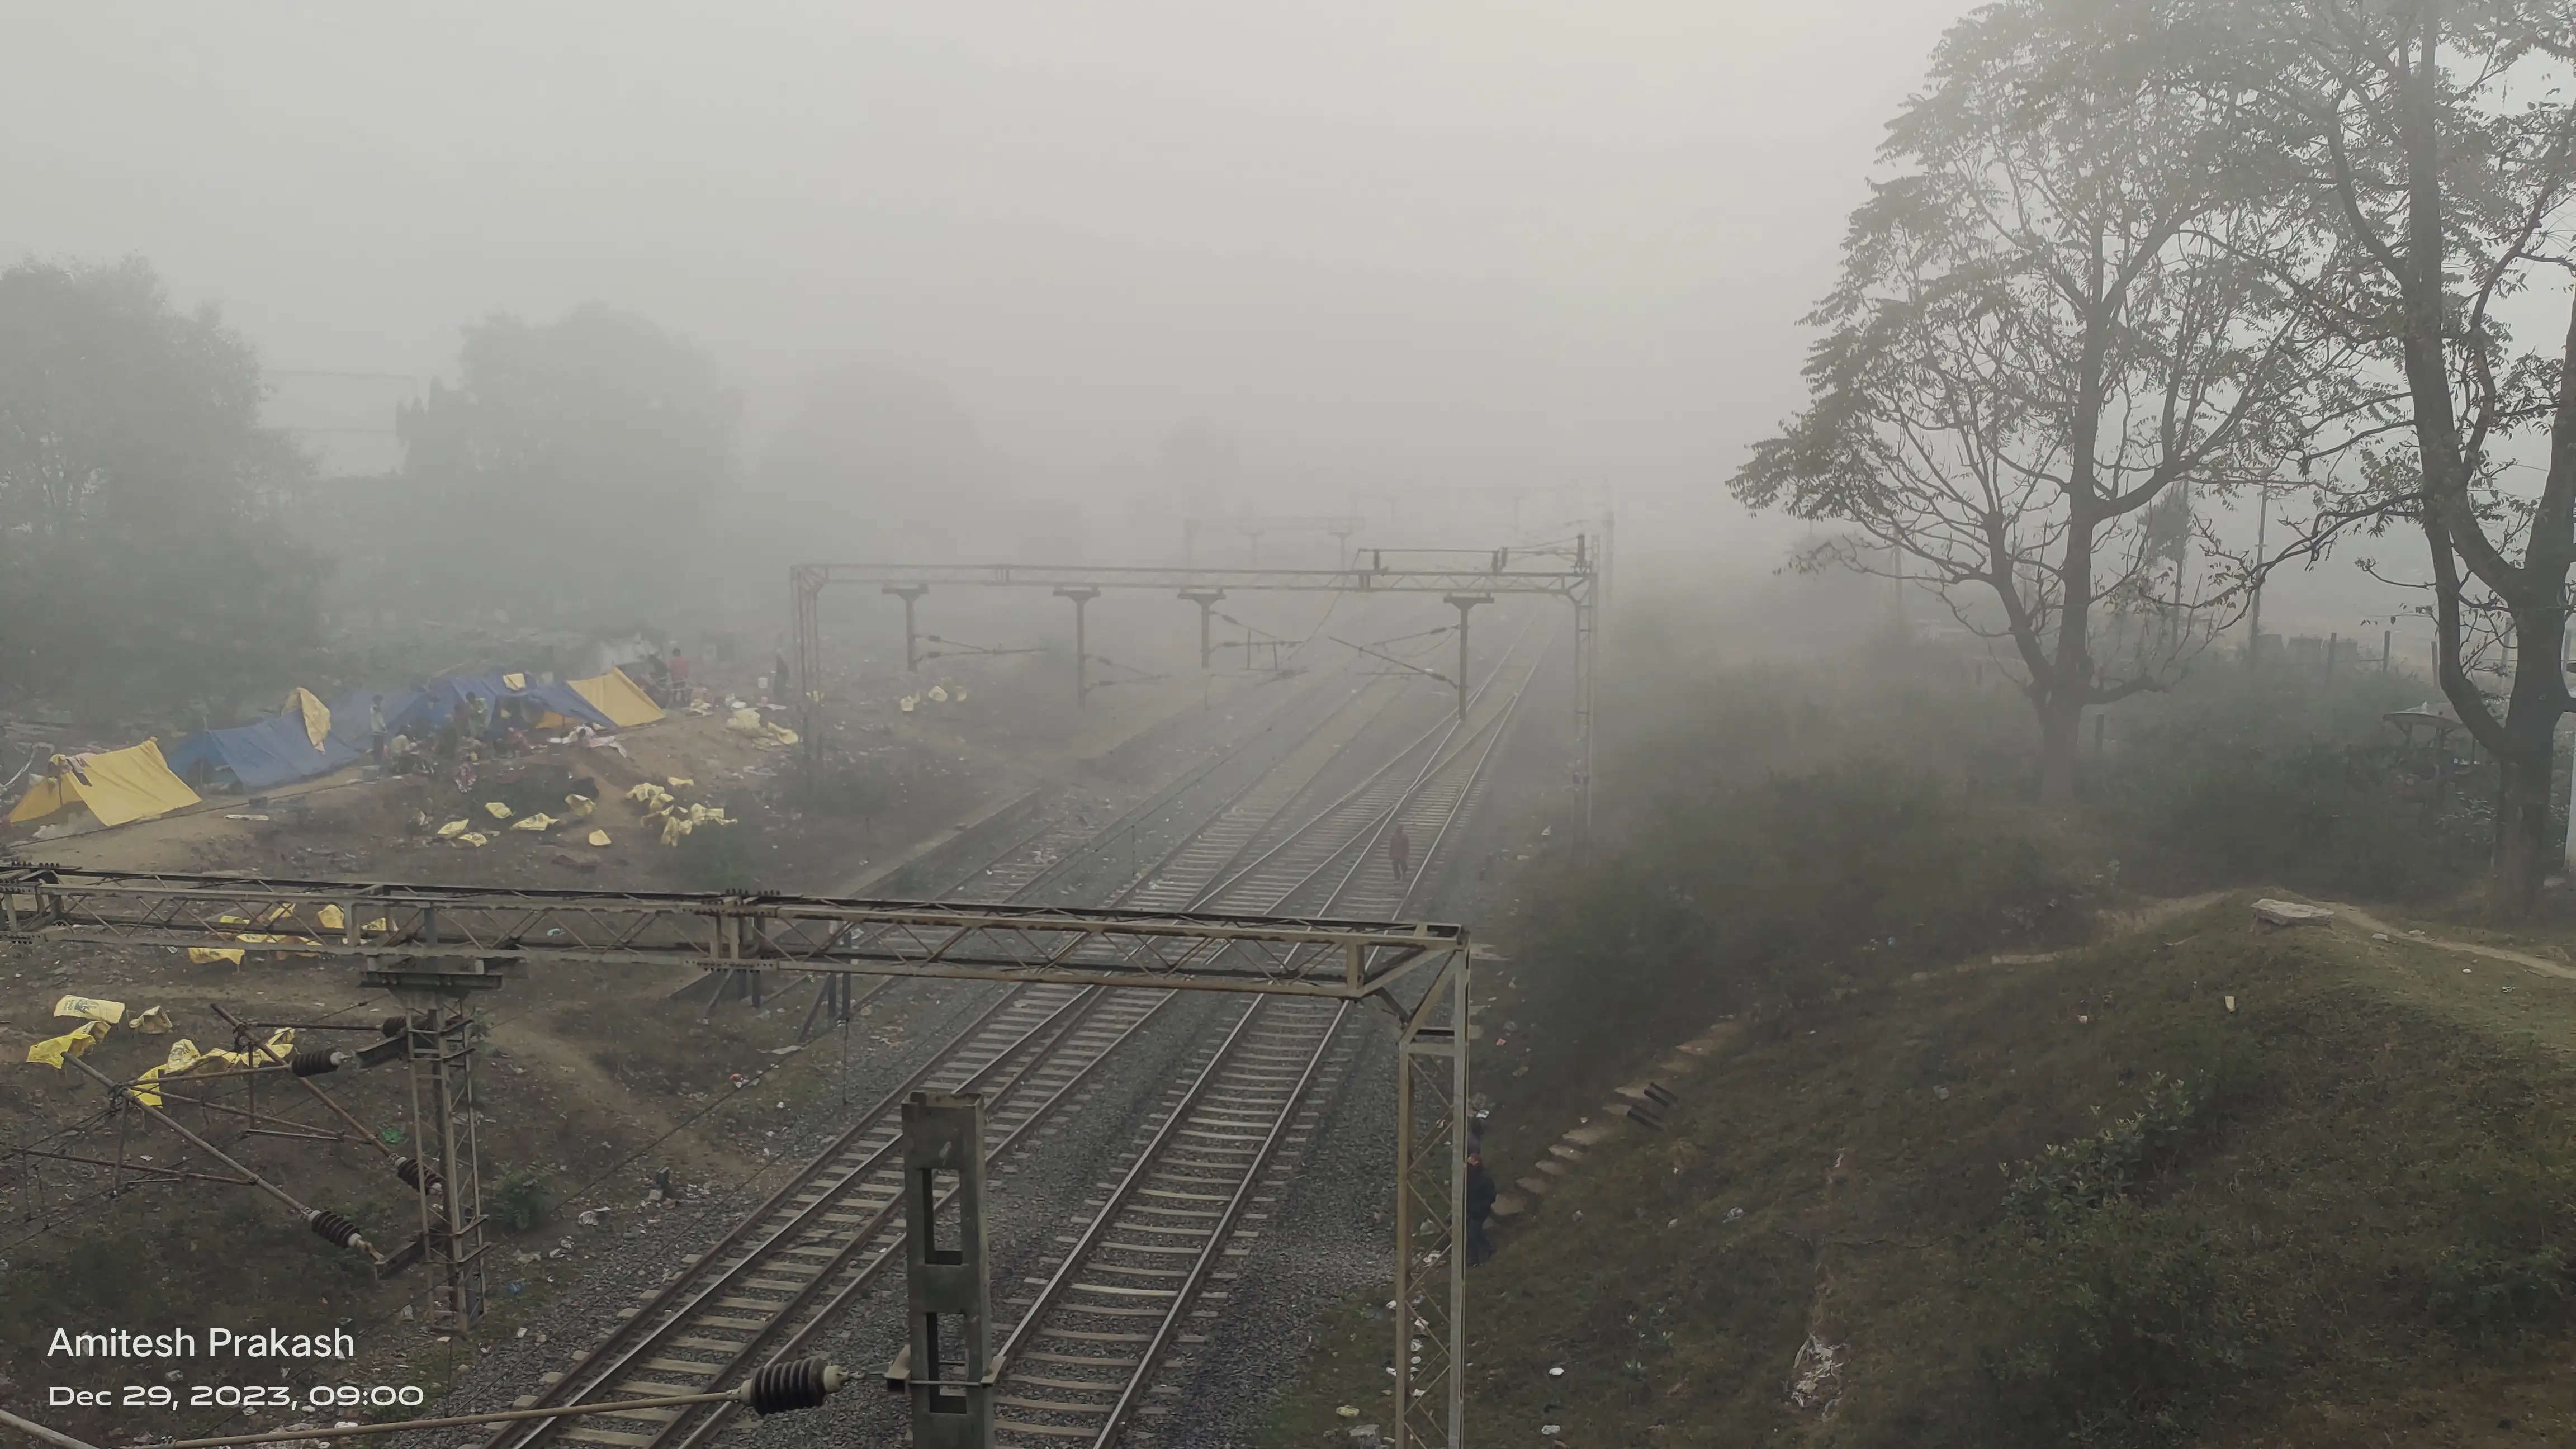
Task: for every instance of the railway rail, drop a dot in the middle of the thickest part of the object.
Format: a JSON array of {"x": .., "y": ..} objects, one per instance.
[
  {"x": 1084, "y": 1357},
  {"x": 793, "y": 1265}
]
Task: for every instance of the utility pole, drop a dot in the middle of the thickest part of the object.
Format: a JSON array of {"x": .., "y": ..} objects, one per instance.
[
  {"x": 1081, "y": 646},
  {"x": 2262, "y": 531},
  {"x": 1463, "y": 603}
]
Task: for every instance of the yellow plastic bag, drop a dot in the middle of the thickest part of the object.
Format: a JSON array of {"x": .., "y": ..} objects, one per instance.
[
  {"x": 147, "y": 1087},
  {"x": 453, "y": 829},
  {"x": 51, "y": 1051},
  {"x": 183, "y": 1055},
  {"x": 674, "y": 829},
  {"x": 90, "y": 1008},
  {"x": 539, "y": 822},
  {"x": 151, "y": 1021},
  {"x": 939, "y": 693},
  {"x": 496, "y": 809},
  {"x": 599, "y": 837},
  {"x": 209, "y": 955},
  {"x": 580, "y": 806},
  {"x": 475, "y": 838},
  {"x": 681, "y": 782}
]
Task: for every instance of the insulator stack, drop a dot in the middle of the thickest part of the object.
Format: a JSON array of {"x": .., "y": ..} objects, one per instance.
[
  {"x": 336, "y": 1230},
  {"x": 314, "y": 1061},
  {"x": 800, "y": 1384},
  {"x": 408, "y": 1169}
]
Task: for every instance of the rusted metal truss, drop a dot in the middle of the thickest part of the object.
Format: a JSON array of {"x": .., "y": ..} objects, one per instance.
[{"x": 496, "y": 926}]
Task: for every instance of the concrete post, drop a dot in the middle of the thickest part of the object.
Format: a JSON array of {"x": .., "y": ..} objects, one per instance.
[
  {"x": 1206, "y": 599},
  {"x": 950, "y": 1369},
  {"x": 1463, "y": 603},
  {"x": 911, "y": 648},
  {"x": 1081, "y": 644}
]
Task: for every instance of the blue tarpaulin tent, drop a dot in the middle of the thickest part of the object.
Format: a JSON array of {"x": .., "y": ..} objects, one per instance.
[
  {"x": 424, "y": 714},
  {"x": 261, "y": 756}
]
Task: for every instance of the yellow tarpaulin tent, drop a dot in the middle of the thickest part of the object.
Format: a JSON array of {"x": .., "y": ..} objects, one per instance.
[
  {"x": 315, "y": 714},
  {"x": 118, "y": 785},
  {"x": 616, "y": 696}
]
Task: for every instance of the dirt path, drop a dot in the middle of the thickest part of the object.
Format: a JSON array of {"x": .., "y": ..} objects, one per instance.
[{"x": 2369, "y": 922}]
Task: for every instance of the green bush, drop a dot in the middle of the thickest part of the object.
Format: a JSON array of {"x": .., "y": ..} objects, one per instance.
[
  {"x": 520, "y": 1199},
  {"x": 2290, "y": 779},
  {"x": 2069, "y": 1179},
  {"x": 1778, "y": 893},
  {"x": 2129, "y": 1329}
]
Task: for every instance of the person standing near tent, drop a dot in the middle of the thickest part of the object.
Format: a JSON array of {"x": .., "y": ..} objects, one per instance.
[
  {"x": 1399, "y": 852},
  {"x": 679, "y": 675},
  {"x": 376, "y": 727}
]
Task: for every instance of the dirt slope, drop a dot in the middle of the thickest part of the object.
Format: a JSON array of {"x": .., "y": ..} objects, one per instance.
[{"x": 2079, "y": 1199}]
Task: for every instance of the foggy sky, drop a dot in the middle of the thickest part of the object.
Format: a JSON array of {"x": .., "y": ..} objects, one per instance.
[{"x": 1530, "y": 241}]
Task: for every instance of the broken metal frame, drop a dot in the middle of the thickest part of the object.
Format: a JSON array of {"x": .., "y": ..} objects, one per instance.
[{"x": 437, "y": 946}]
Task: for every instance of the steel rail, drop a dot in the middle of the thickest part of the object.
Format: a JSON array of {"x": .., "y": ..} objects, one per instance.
[
  {"x": 861, "y": 1238},
  {"x": 1152, "y": 1160}
]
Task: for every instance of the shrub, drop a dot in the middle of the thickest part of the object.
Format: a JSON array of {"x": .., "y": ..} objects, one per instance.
[{"x": 520, "y": 1199}]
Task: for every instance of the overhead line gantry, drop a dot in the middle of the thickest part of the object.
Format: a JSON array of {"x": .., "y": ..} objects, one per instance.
[{"x": 1573, "y": 569}]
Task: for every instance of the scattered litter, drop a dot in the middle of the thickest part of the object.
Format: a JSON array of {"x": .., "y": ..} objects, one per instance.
[
  {"x": 155, "y": 1021},
  {"x": 1348, "y": 1411},
  {"x": 598, "y": 837},
  {"x": 539, "y": 822},
  {"x": 580, "y": 806},
  {"x": 2231, "y": 1003},
  {"x": 90, "y": 1008},
  {"x": 496, "y": 809},
  {"x": 590, "y": 1217},
  {"x": 2379, "y": 935},
  {"x": 1551, "y": 1430},
  {"x": 1733, "y": 1213},
  {"x": 2464, "y": 970},
  {"x": 681, "y": 782},
  {"x": 244, "y": 815},
  {"x": 1556, "y": 1372},
  {"x": 1941, "y": 1094},
  {"x": 453, "y": 829},
  {"x": 474, "y": 838}
]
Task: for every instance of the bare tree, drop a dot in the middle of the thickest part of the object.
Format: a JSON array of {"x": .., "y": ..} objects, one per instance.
[
  {"x": 2065, "y": 310},
  {"x": 2437, "y": 149}
]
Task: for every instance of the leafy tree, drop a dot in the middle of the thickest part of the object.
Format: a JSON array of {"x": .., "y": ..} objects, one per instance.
[
  {"x": 143, "y": 554},
  {"x": 2435, "y": 146},
  {"x": 2059, "y": 317},
  {"x": 571, "y": 463}
]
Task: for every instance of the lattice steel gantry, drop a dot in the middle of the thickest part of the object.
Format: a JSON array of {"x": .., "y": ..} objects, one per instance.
[{"x": 432, "y": 940}]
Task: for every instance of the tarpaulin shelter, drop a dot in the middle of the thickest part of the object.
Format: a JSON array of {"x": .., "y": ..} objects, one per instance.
[
  {"x": 557, "y": 704},
  {"x": 350, "y": 718},
  {"x": 133, "y": 783},
  {"x": 263, "y": 755},
  {"x": 619, "y": 698}
]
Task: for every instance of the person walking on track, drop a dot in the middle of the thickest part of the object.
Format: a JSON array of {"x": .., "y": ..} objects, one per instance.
[{"x": 1399, "y": 853}]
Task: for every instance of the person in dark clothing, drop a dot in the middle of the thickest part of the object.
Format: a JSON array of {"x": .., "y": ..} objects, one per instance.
[
  {"x": 1480, "y": 1206},
  {"x": 1399, "y": 852},
  {"x": 376, "y": 726}
]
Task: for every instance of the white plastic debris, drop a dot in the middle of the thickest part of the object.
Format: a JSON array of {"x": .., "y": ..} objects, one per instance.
[{"x": 2290, "y": 913}]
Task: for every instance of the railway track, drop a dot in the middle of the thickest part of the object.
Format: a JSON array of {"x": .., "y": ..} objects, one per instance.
[
  {"x": 1090, "y": 1346},
  {"x": 793, "y": 1265}
]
